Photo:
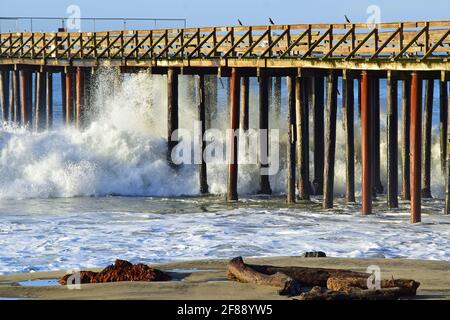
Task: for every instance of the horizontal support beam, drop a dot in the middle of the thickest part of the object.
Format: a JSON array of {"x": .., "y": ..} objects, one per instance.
[{"x": 434, "y": 65}]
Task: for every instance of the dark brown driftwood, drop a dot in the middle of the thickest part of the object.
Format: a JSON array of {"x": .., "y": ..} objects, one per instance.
[
  {"x": 308, "y": 277},
  {"x": 327, "y": 284},
  {"x": 120, "y": 271},
  {"x": 238, "y": 270},
  {"x": 406, "y": 287},
  {"x": 318, "y": 293}
]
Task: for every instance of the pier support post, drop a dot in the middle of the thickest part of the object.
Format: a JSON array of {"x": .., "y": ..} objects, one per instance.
[
  {"x": 25, "y": 97},
  {"x": 4, "y": 94},
  {"x": 330, "y": 140},
  {"x": 443, "y": 124},
  {"x": 426, "y": 139},
  {"x": 415, "y": 138},
  {"x": 69, "y": 97},
  {"x": 447, "y": 173},
  {"x": 49, "y": 100},
  {"x": 376, "y": 181},
  {"x": 392, "y": 141},
  {"x": 264, "y": 100},
  {"x": 277, "y": 98},
  {"x": 318, "y": 115},
  {"x": 366, "y": 148},
  {"x": 202, "y": 118},
  {"x": 291, "y": 144},
  {"x": 359, "y": 98},
  {"x": 63, "y": 96},
  {"x": 40, "y": 100},
  {"x": 245, "y": 98},
  {"x": 301, "y": 115},
  {"x": 172, "y": 111},
  {"x": 348, "y": 111},
  {"x": 406, "y": 113},
  {"x": 11, "y": 98},
  {"x": 211, "y": 99},
  {"x": 79, "y": 97},
  {"x": 232, "y": 194},
  {"x": 16, "y": 93}
]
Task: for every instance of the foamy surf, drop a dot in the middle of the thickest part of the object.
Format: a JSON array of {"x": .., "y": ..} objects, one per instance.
[{"x": 59, "y": 234}]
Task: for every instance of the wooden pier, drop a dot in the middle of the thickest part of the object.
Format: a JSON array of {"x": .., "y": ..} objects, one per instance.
[{"x": 314, "y": 58}]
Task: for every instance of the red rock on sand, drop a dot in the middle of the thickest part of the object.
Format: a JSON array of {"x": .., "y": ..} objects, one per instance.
[{"x": 121, "y": 270}]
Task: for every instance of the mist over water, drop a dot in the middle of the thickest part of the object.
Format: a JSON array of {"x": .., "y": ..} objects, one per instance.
[{"x": 123, "y": 149}]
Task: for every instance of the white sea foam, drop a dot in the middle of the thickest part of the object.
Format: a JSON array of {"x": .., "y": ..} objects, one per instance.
[{"x": 55, "y": 235}]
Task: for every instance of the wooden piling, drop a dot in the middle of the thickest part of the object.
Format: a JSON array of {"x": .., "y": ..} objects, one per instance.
[
  {"x": 359, "y": 99},
  {"x": 366, "y": 148},
  {"x": 447, "y": 173},
  {"x": 264, "y": 100},
  {"x": 79, "y": 110},
  {"x": 348, "y": 104},
  {"x": 245, "y": 100},
  {"x": 232, "y": 194},
  {"x": 291, "y": 143},
  {"x": 25, "y": 97},
  {"x": 392, "y": 142},
  {"x": 172, "y": 111},
  {"x": 40, "y": 79},
  {"x": 49, "y": 100},
  {"x": 443, "y": 124},
  {"x": 277, "y": 97},
  {"x": 37, "y": 98},
  {"x": 203, "y": 178},
  {"x": 63, "y": 97},
  {"x": 210, "y": 99},
  {"x": 11, "y": 99},
  {"x": 4, "y": 94},
  {"x": 319, "y": 149},
  {"x": 376, "y": 181},
  {"x": 426, "y": 139},
  {"x": 415, "y": 138},
  {"x": 330, "y": 140},
  {"x": 16, "y": 96},
  {"x": 69, "y": 97},
  {"x": 301, "y": 115},
  {"x": 406, "y": 113}
]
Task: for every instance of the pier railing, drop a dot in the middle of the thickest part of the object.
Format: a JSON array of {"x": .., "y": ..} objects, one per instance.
[{"x": 411, "y": 41}]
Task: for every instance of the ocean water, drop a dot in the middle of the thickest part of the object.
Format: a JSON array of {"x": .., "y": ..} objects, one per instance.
[{"x": 71, "y": 198}]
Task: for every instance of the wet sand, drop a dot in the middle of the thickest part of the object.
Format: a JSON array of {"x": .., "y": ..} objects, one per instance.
[{"x": 206, "y": 279}]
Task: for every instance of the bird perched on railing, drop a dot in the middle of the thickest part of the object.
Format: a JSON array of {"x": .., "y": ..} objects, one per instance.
[
  {"x": 271, "y": 21},
  {"x": 347, "y": 19},
  {"x": 240, "y": 22}
]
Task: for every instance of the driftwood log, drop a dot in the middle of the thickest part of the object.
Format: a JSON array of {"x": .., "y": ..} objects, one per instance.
[
  {"x": 347, "y": 284},
  {"x": 326, "y": 284},
  {"x": 238, "y": 270},
  {"x": 319, "y": 293}
]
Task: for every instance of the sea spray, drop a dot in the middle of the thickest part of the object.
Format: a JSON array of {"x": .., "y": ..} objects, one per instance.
[{"x": 123, "y": 149}]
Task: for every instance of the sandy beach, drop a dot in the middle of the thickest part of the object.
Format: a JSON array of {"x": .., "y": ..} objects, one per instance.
[{"x": 206, "y": 279}]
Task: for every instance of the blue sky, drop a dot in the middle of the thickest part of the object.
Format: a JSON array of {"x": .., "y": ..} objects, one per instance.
[{"x": 212, "y": 12}]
